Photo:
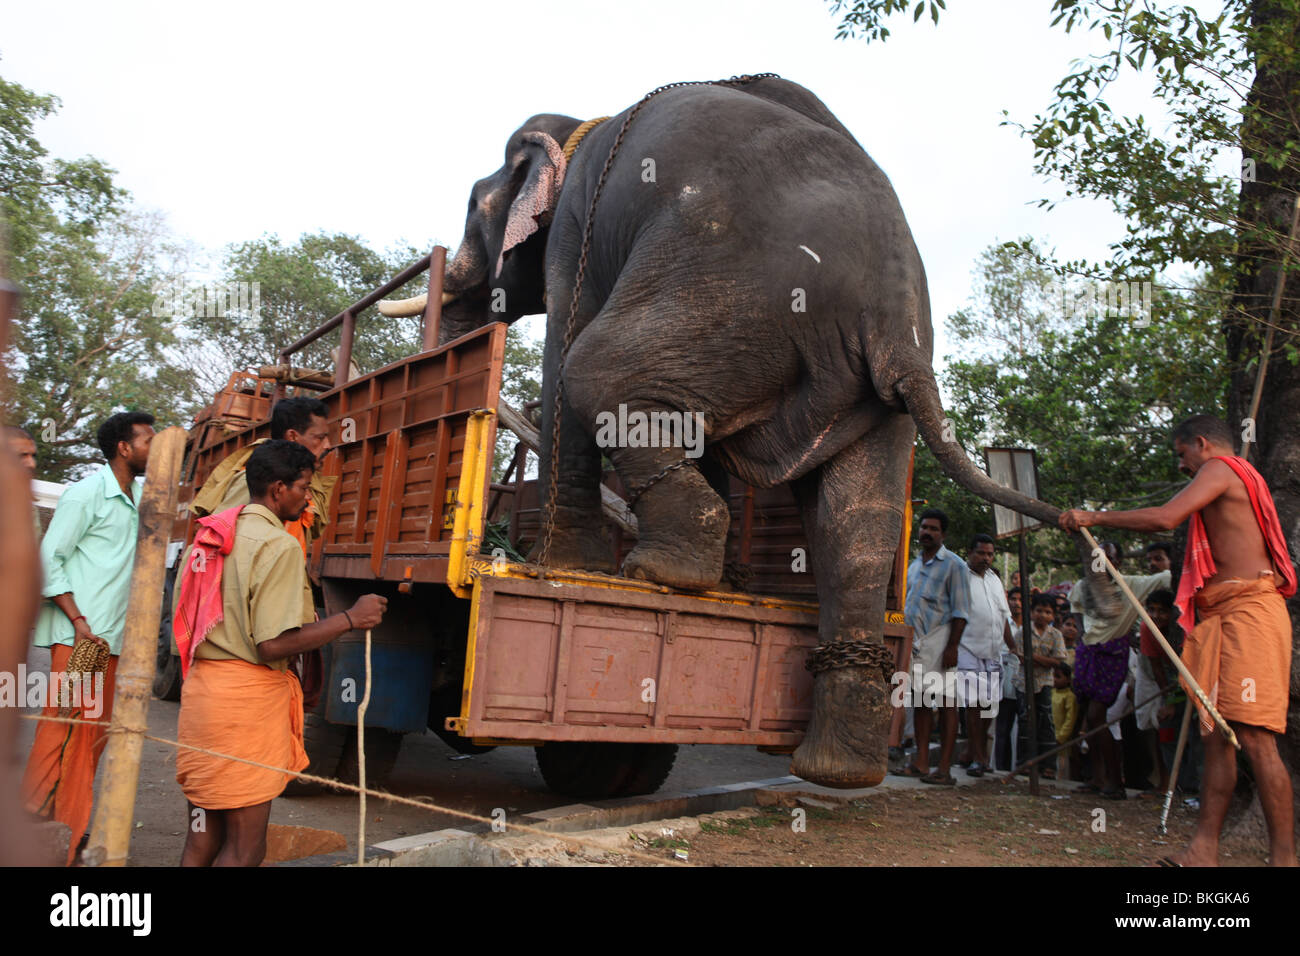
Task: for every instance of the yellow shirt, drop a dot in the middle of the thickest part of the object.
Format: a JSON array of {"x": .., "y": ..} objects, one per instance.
[
  {"x": 1065, "y": 710},
  {"x": 264, "y": 590}
]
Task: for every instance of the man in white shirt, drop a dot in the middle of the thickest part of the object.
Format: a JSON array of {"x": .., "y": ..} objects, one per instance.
[{"x": 988, "y": 630}]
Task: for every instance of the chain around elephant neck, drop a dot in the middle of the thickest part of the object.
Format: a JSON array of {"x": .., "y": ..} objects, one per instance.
[{"x": 558, "y": 405}]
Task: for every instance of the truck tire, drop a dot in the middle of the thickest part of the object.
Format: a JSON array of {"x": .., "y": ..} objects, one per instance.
[
  {"x": 324, "y": 743},
  {"x": 167, "y": 668},
  {"x": 601, "y": 771},
  {"x": 382, "y": 749}
]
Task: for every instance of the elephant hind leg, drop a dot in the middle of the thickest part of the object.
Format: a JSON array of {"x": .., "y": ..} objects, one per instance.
[{"x": 852, "y": 509}]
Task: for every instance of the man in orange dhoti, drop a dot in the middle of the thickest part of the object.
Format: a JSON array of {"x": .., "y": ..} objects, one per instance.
[
  {"x": 244, "y": 609},
  {"x": 1236, "y": 572},
  {"x": 87, "y": 557}
]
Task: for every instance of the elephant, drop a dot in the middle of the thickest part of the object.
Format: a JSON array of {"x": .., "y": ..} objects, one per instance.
[{"x": 748, "y": 264}]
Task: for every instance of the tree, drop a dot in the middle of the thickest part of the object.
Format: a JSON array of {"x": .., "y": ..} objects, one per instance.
[
  {"x": 85, "y": 342},
  {"x": 285, "y": 291},
  {"x": 1231, "y": 85}
]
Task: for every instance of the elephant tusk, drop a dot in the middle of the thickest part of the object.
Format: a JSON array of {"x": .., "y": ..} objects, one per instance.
[{"x": 404, "y": 308}]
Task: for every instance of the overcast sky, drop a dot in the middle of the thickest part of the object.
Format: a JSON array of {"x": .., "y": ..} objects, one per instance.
[{"x": 375, "y": 118}]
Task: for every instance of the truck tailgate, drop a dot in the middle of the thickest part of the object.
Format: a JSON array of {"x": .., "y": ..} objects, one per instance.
[{"x": 574, "y": 660}]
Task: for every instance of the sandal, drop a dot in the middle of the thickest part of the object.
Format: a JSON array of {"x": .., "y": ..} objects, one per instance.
[
  {"x": 976, "y": 769},
  {"x": 911, "y": 770},
  {"x": 1117, "y": 794},
  {"x": 940, "y": 779}
]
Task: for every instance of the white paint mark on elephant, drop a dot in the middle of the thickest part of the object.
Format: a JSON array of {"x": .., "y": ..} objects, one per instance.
[
  {"x": 811, "y": 253},
  {"x": 689, "y": 191},
  {"x": 916, "y": 336}
]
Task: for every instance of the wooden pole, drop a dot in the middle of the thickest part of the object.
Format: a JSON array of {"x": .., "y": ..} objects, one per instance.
[
  {"x": 361, "y": 761},
  {"x": 1183, "y": 672},
  {"x": 110, "y": 834},
  {"x": 1178, "y": 765},
  {"x": 1027, "y": 650}
]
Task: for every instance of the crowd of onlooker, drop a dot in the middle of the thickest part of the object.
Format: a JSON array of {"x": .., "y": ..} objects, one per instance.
[{"x": 1087, "y": 674}]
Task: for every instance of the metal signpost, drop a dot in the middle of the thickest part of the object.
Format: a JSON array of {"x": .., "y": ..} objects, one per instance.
[{"x": 1017, "y": 468}]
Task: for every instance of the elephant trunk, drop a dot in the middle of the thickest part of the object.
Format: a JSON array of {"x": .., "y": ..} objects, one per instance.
[{"x": 920, "y": 393}]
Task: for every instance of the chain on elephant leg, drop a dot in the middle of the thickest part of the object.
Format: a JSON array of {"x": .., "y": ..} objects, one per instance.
[
  {"x": 682, "y": 531},
  {"x": 847, "y": 741}
]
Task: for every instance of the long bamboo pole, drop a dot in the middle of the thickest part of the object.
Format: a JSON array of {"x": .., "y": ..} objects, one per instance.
[
  {"x": 1183, "y": 672},
  {"x": 1273, "y": 313},
  {"x": 110, "y": 836}
]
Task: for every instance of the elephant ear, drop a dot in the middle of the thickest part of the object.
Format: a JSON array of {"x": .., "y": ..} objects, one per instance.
[{"x": 535, "y": 203}]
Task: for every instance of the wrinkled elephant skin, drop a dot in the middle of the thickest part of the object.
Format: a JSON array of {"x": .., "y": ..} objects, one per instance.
[{"x": 749, "y": 265}]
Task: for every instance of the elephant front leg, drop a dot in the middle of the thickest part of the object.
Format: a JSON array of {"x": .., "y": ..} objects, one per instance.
[
  {"x": 853, "y": 510},
  {"x": 682, "y": 521},
  {"x": 578, "y": 538}
]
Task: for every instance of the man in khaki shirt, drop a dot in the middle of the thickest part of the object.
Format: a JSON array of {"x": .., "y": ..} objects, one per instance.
[{"x": 239, "y": 697}]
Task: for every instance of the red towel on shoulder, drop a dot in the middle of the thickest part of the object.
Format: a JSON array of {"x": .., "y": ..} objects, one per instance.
[
  {"x": 200, "y": 609},
  {"x": 1198, "y": 562}
]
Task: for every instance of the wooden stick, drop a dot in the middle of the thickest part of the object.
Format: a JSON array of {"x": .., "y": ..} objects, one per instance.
[
  {"x": 1183, "y": 672},
  {"x": 1178, "y": 763},
  {"x": 110, "y": 836},
  {"x": 361, "y": 759}
]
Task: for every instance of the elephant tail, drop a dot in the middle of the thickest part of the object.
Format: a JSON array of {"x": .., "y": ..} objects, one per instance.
[{"x": 920, "y": 394}]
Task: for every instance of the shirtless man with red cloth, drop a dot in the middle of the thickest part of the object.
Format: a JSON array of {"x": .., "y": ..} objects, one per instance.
[{"x": 1236, "y": 572}]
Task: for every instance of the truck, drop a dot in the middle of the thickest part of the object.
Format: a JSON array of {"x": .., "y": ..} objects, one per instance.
[{"x": 605, "y": 676}]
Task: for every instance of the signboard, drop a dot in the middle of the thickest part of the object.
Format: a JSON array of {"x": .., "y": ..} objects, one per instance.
[{"x": 1015, "y": 468}]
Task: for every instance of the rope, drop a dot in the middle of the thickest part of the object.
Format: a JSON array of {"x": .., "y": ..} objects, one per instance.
[
  {"x": 361, "y": 760},
  {"x": 425, "y": 804},
  {"x": 576, "y": 137}
]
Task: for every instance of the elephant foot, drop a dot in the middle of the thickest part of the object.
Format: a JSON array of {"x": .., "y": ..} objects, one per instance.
[
  {"x": 682, "y": 536},
  {"x": 847, "y": 742},
  {"x": 578, "y": 543}
]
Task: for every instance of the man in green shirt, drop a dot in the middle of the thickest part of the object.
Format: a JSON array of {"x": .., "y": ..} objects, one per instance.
[{"x": 87, "y": 555}]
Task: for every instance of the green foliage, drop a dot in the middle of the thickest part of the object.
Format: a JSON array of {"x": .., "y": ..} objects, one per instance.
[
  {"x": 37, "y": 193},
  {"x": 300, "y": 286},
  {"x": 1177, "y": 180},
  {"x": 85, "y": 342},
  {"x": 1094, "y": 392}
]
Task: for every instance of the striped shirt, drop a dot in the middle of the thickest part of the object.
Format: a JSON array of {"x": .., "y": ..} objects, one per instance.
[{"x": 937, "y": 591}]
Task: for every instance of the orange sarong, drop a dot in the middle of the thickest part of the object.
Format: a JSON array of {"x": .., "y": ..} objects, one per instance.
[
  {"x": 59, "y": 782},
  {"x": 245, "y": 710},
  {"x": 1240, "y": 653}
]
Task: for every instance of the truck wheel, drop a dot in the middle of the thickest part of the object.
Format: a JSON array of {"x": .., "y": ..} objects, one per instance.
[
  {"x": 324, "y": 743},
  {"x": 167, "y": 669},
  {"x": 382, "y": 748},
  {"x": 600, "y": 771}
]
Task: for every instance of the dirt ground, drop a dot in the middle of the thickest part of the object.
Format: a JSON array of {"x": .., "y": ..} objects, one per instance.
[{"x": 987, "y": 824}]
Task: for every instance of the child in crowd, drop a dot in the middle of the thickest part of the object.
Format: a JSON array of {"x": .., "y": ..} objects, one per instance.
[
  {"x": 1047, "y": 649},
  {"x": 1065, "y": 717}
]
